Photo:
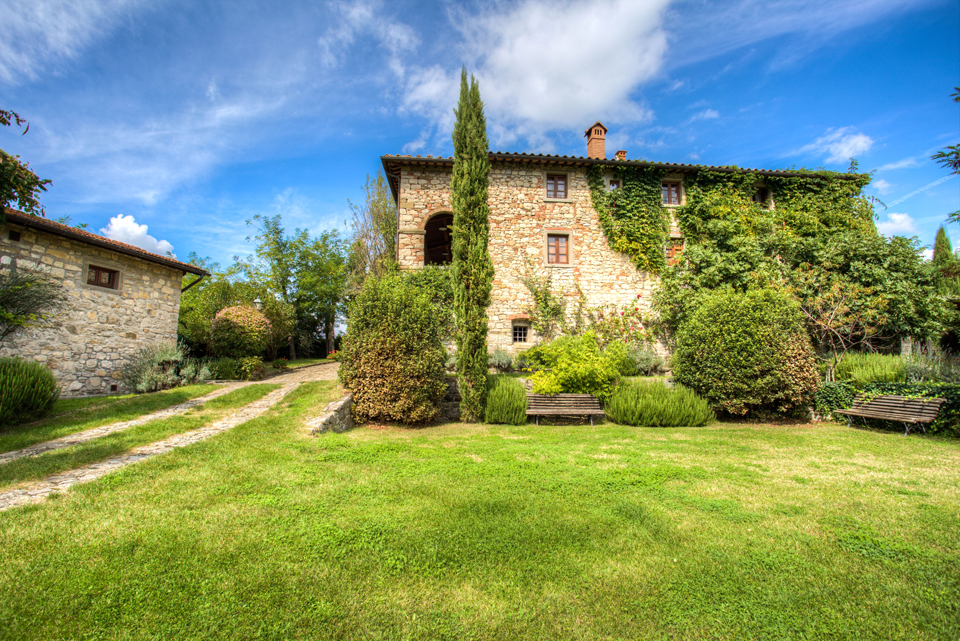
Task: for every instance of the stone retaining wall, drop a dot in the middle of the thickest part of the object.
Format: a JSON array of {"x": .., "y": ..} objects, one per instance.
[{"x": 336, "y": 417}]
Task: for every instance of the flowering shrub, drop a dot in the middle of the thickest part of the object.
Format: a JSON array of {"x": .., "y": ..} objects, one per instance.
[
  {"x": 576, "y": 365},
  {"x": 239, "y": 331},
  {"x": 251, "y": 368},
  {"x": 625, "y": 325},
  {"x": 280, "y": 363}
]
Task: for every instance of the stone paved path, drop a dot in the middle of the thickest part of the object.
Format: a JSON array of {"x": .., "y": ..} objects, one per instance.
[{"x": 289, "y": 381}]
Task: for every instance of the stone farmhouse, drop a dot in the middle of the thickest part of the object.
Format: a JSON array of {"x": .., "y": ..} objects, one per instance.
[
  {"x": 542, "y": 223},
  {"x": 120, "y": 298}
]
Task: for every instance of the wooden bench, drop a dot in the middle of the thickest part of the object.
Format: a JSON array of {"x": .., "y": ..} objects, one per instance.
[
  {"x": 909, "y": 411},
  {"x": 563, "y": 405}
]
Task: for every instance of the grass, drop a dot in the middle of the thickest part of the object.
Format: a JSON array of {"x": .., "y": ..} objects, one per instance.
[
  {"x": 37, "y": 467},
  {"x": 303, "y": 362},
  {"x": 499, "y": 532},
  {"x": 76, "y": 415}
]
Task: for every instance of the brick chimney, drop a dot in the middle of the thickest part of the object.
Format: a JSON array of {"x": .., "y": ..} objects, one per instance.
[
  {"x": 622, "y": 154},
  {"x": 596, "y": 140}
]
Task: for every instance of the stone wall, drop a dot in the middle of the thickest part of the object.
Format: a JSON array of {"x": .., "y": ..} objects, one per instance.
[
  {"x": 520, "y": 218},
  {"x": 87, "y": 346}
]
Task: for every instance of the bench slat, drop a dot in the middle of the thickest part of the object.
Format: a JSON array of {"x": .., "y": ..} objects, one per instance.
[{"x": 892, "y": 407}]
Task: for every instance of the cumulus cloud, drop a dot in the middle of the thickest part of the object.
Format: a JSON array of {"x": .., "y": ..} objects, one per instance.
[
  {"x": 39, "y": 33},
  {"x": 544, "y": 65},
  {"x": 839, "y": 145},
  {"x": 126, "y": 230},
  {"x": 897, "y": 225}
]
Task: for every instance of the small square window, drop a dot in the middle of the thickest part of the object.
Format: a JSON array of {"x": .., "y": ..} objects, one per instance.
[
  {"x": 614, "y": 184},
  {"x": 14, "y": 236},
  {"x": 519, "y": 333},
  {"x": 557, "y": 249},
  {"x": 102, "y": 277},
  {"x": 671, "y": 193},
  {"x": 556, "y": 186}
]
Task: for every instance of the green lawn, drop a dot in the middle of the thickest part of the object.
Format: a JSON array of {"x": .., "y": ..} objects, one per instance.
[
  {"x": 70, "y": 416},
  {"x": 497, "y": 532}
]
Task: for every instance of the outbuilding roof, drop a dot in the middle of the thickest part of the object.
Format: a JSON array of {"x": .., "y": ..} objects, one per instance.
[{"x": 73, "y": 233}]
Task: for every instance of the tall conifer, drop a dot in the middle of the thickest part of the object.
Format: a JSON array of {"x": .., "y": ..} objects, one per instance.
[{"x": 471, "y": 264}]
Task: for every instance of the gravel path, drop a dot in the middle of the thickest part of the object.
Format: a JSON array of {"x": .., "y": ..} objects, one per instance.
[{"x": 37, "y": 491}]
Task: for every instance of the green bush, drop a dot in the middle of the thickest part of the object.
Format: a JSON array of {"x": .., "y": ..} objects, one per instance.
[
  {"x": 281, "y": 363},
  {"x": 575, "y": 365},
  {"x": 250, "y": 368},
  {"x": 868, "y": 367},
  {"x": 501, "y": 360},
  {"x": 654, "y": 404},
  {"x": 747, "y": 353},
  {"x": 27, "y": 391},
  {"x": 162, "y": 366},
  {"x": 223, "y": 369},
  {"x": 239, "y": 331},
  {"x": 393, "y": 357},
  {"x": 647, "y": 361},
  {"x": 506, "y": 401}
]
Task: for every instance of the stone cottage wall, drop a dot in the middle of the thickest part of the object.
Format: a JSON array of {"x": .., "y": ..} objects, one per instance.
[
  {"x": 520, "y": 218},
  {"x": 87, "y": 346}
]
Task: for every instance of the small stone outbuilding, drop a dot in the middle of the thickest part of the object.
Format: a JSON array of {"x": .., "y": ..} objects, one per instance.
[{"x": 120, "y": 298}]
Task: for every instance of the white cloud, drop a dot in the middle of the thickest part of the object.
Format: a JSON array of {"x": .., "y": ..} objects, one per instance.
[
  {"x": 897, "y": 225},
  {"x": 366, "y": 18},
  {"x": 882, "y": 186},
  {"x": 544, "y": 65},
  {"x": 706, "y": 114},
  {"x": 900, "y": 164},
  {"x": 39, "y": 33},
  {"x": 840, "y": 145},
  {"x": 928, "y": 254},
  {"x": 126, "y": 230}
]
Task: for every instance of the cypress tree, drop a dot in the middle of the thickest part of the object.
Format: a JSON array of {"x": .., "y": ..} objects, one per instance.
[
  {"x": 471, "y": 265},
  {"x": 942, "y": 250}
]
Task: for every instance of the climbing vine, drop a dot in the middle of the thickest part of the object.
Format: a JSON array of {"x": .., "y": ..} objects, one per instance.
[{"x": 633, "y": 217}]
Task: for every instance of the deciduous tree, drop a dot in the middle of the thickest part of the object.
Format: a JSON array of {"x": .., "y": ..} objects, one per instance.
[
  {"x": 19, "y": 186},
  {"x": 373, "y": 247}
]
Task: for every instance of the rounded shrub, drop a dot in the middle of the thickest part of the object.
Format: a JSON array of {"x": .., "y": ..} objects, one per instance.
[
  {"x": 393, "y": 357},
  {"x": 654, "y": 404},
  {"x": 27, "y": 391},
  {"x": 506, "y": 401},
  {"x": 239, "y": 331},
  {"x": 747, "y": 353}
]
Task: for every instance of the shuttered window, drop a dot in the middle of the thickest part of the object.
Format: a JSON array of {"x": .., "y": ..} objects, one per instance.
[{"x": 557, "y": 249}]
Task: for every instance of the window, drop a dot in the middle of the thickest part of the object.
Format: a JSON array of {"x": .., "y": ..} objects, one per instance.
[
  {"x": 557, "y": 249},
  {"x": 14, "y": 236},
  {"x": 614, "y": 184},
  {"x": 762, "y": 195},
  {"x": 674, "y": 247},
  {"x": 556, "y": 186},
  {"x": 102, "y": 277},
  {"x": 519, "y": 333},
  {"x": 671, "y": 193}
]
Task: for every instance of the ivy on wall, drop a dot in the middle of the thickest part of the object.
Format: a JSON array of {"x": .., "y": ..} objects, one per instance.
[{"x": 633, "y": 217}]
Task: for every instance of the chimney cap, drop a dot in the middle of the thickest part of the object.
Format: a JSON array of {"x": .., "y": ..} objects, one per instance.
[
  {"x": 622, "y": 154},
  {"x": 589, "y": 130}
]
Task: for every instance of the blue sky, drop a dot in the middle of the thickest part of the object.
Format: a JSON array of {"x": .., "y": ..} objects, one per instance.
[{"x": 190, "y": 117}]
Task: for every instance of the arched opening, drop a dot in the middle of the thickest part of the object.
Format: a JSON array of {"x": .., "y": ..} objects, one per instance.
[{"x": 437, "y": 240}]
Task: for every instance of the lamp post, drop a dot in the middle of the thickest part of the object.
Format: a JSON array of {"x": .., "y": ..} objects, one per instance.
[{"x": 258, "y": 303}]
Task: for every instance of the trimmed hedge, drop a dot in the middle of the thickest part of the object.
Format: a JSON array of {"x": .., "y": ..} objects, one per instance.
[
  {"x": 239, "y": 331},
  {"x": 393, "y": 357},
  {"x": 27, "y": 391},
  {"x": 747, "y": 353}
]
